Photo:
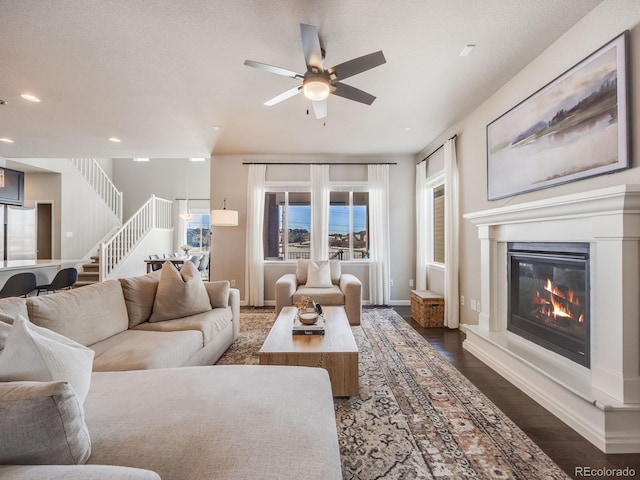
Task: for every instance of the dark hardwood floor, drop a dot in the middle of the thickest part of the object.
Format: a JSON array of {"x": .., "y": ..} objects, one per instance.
[{"x": 563, "y": 444}]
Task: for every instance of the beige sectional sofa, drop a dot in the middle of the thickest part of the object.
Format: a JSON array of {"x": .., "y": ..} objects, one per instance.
[
  {"x": 112, "y": 318},
  {"x": 147, "y": 420}
]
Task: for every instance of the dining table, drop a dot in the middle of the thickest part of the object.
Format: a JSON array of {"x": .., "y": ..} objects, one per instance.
[{"x": 177, "y": 261}]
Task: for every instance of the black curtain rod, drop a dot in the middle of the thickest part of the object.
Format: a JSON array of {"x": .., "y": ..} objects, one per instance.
[
  {"x": 319, "y": 163},
  {"x": 439, "y": 148}
]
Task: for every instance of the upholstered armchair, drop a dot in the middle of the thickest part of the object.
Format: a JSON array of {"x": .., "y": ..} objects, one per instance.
[{"x": 325, "y": 283}]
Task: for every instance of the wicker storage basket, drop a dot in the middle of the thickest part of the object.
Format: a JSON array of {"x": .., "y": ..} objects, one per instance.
[{"x": 427, "y": 308}]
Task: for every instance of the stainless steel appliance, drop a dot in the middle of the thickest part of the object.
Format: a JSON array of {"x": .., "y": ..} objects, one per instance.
[{"x": 18, "y": 241}]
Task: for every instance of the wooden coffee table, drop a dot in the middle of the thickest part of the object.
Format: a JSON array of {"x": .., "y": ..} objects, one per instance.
[{"x": 335, "y": 351}]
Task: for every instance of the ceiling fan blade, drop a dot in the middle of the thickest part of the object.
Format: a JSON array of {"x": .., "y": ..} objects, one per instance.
[
  {"x": 283, "y": 96},
  {"x": 320, "y": 108},
  {"x": 311, "y": 46},
  {"x": 352, "y": 93},
  {"x": 357, "y": 65},
  {"x": 270, "y": 68}
]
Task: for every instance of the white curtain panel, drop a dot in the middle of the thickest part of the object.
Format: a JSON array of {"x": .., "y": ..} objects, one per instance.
[
  {"x": 320, "y": 212},
  {"x": 422, "y": 222},
  {"x": 379, "y": 249},
  {"x": 254, "y": 248},
  {"x": 451, "y": 234}
]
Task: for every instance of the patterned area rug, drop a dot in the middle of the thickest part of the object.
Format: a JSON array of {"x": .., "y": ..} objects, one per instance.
[{"x": 417, "y": 417}]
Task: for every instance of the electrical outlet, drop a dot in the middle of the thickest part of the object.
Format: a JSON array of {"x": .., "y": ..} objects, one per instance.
[
  {"x": 411, "y": 282},
  {"x": 473, "y": 303},
  {"x": 462, "y": 300},
  {"x": 391, "y": 282},
  {"x": 233, "y": 283}
]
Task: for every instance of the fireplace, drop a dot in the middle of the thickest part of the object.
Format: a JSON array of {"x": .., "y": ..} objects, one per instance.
[
  {"x": 548, "y": 296},
  {"x": 601, "y": 401}
]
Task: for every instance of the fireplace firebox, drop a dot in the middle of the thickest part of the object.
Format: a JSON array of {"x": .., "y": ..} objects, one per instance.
[{"x": 549, "y": 296}]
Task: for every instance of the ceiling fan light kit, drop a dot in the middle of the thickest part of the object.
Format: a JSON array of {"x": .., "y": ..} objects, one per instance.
[
  {"x": 316, "y": 87},
  {"x": 317, "y": 82}
]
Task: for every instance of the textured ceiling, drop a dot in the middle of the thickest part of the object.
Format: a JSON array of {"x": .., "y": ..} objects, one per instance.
[{"x": 161, "y": 74}]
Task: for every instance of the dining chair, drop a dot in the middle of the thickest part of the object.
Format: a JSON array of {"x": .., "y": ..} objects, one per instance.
[
  {"x": 155, "y": 266},
  {"x": 19, "y": 285},
  {"x": 195, "y": 259},
  {"x": 168, "y": 255},
  {"x": 204, "y": 263},
  {"x": 64, "y": 280}
]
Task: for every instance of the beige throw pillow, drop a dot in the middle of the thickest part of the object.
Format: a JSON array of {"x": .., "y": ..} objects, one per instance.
[
  {"x": 319, "y": 275},
  {"x": 180, "y": 293},
  {"x": 42, "y": 423},
  {"x": 139, "y": 295},
  {"x": 37, "y": 354}
]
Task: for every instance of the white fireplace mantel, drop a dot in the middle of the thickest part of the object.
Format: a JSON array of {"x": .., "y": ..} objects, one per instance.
[{"x": 601, "y": 402}]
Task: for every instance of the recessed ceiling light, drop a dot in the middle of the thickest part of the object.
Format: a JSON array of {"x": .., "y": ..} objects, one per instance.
[
  {"x": 407, "y": 129},
  {"x": 31, "y": 98},
  {"x": 197, "y": 159},
  {"x": 467, "y": 49},
  {"x": 217, "y": 128},
  {"x": 114, "y": 139},
  {"x": 141, "y": 159},
  {"x": 6, "y": 140}
]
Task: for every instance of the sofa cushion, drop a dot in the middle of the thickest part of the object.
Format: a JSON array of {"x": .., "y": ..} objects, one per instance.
[
  {"x": 209, "y": 323},
  {"x": 139, "y": 294},
  {"x": 323, "y": 296},
  {"x": 42, "y": 423},
  {"x": 224, "y": 422},
  {"x": 12, "y": 307},
  {"x": 180, "y": 293},
  {"x": 87, "y": 315},
  {"x": 218, "y": 293},
  {"x": 319, "y": 275},
  {"x": 37, "y": 354},
  {"x": 140, "y": 350},
  {"x": 302, "y": 268}
]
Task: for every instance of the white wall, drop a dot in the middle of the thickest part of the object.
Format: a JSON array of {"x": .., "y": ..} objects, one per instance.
[
  {"x": 229, "y": 179},
  {"x": 604, "y": 23},
  {"x": 84, "y": 217},
  {"x": 167, "y": 178}
]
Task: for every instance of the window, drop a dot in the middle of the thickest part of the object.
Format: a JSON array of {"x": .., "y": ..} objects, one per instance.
[
  {"x": 288, "y": 212},
  {"x": 198, "y": 229},
  {"x": 348, "y": 225},
  {"x": 438, "y": 224}
]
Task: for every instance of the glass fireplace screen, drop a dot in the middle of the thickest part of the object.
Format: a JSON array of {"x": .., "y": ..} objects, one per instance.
[{"x": 549, "y": 296}]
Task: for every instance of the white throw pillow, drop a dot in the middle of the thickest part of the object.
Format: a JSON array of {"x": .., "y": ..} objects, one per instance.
[
  {"x": 33, "y": 353},
  {"x": 42, "y": 423},
  {"x": 319, "y": 275},
  {"x": 5, "y": 328}
]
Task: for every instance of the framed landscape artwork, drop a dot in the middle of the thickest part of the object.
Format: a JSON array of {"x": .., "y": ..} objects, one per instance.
[{"x": 575, "y": 127}]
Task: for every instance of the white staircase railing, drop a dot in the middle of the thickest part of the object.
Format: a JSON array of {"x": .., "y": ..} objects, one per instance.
[
  {"x": 155, "y": 213},
  {"x": 101, "y": 183}
]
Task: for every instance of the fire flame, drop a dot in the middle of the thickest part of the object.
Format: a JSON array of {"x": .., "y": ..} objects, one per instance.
[
  {"x": 560, "y": 300},
  {"x": 568, "y": 295}
]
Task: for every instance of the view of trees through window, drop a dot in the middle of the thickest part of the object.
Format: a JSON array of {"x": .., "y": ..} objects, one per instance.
[
  {"x": 291, "y": 212},
  {"x": 348, "y": 225},
  {"x": 199, "y": 231}
]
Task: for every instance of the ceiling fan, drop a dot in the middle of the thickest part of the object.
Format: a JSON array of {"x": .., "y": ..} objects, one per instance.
[{"x": 317, "y": 82}]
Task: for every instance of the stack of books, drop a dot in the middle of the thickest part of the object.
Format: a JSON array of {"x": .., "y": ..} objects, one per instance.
[{"x": 300, "y": 328}]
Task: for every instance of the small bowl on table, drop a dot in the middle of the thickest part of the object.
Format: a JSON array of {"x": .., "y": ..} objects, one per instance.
[{"x": 308, "y": 318}]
